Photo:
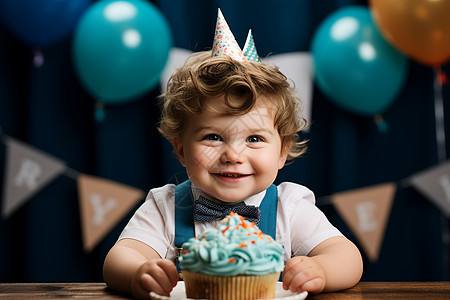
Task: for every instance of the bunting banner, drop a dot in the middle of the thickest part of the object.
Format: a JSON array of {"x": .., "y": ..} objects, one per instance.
[
  {"x": 298, "y": 67},
  {"x": 176, "y": 59},
  {"x": 434, "y": 183},
  {"x": 27, "y": 171},
  {"x": 103, "y": 203},
  {"x": 366, "y": 211}
]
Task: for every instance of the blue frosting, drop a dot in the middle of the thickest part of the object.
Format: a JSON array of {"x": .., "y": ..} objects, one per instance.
[{"x": 235, "y": 247}]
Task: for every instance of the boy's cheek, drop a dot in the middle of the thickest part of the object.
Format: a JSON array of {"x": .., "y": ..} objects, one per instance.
[
  {"x": 207, "y": 156},
  {"x": 199, "y": 164}
]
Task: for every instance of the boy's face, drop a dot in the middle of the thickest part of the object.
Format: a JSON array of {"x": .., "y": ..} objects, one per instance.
[{"x": 231, "y": 157}]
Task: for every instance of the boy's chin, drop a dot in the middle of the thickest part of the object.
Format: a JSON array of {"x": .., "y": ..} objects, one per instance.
[
  {"x": 232, "y": 198},
  {"x": 225, "y": 197},
  {"x": 228, "y": 199},
  {"x": 232, "y": 201}
]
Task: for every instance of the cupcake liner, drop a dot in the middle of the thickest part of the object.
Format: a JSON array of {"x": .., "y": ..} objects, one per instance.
[{"x": 240, "y": 287}]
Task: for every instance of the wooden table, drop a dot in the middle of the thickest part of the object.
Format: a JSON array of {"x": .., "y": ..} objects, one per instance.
[
  {"x": 390, "y": 290},
  {"x": 363, "y": 290}
]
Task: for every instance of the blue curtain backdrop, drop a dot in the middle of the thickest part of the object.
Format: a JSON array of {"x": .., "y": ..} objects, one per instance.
[{"x": 48, "y": 108}]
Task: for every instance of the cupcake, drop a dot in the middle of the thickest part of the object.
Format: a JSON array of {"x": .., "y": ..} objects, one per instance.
[{"x": 234, "y": 261}]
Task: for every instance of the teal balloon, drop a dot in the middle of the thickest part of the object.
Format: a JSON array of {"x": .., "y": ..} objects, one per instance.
[
  {"x": 120, "y": 49},
  {"x": 354, "y": 66}
]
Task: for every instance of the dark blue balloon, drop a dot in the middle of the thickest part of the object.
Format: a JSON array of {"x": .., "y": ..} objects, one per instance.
[
  {"x": 354, "y": 66},
  {"x": 41, "y": 23}
]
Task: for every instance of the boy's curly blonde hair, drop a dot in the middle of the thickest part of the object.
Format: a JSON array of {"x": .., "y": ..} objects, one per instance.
[{"x": 203, "y": 77}]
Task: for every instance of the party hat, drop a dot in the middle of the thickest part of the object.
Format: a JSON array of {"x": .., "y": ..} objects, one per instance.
[
  {"x": 224, "y": 41},
  {"x": 250, "y": 52}
]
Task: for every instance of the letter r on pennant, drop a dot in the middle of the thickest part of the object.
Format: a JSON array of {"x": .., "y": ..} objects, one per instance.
[{"x": 28, "y": 174}]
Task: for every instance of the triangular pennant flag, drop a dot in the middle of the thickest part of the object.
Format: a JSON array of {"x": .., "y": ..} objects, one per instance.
[
  {"x": 366, "y": 211},
  {"x": 103, "y": 203},
  {"x": 298, "y": 67},
  {"x": 434, "y": 183},
  {"x": 249, "y": 50},
  {"x": 177, "y": 57},
  {"x": 27, "y": 171},
  {"x": 224, "y": 41}
]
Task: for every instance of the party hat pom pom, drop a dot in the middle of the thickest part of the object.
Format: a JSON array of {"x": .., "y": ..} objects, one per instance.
[
  {"x": 250, "y": 52},
  {"x": 224, "y": 41}
]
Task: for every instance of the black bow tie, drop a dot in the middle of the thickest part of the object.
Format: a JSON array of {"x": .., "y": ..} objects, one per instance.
[{"x": 206, "y": 210}]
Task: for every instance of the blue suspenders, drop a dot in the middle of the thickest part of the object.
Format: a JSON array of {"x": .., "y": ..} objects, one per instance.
[
  {"x": 184, "y": 222},
  {"x": 268, "y": 208},
  {"x": 184, "y": 210}
]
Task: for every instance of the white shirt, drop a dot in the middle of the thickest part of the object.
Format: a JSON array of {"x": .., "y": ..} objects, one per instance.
[{"x": 301, "y": 226}]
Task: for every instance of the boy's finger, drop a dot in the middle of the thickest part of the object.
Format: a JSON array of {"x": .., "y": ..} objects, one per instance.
[
  {"x": 297, "y": 282},
  {"x": 313, "y": 286},
  {"x": 287, "y": 277},
  {"x": 171, "y": 271},
  {"x": 162, "y": 279},
  {"x": 290, "y": 270},
  {"x": 149, "y": 283}
]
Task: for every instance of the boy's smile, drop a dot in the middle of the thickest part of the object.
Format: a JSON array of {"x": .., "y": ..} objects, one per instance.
[{"x": 231, "y": 157}]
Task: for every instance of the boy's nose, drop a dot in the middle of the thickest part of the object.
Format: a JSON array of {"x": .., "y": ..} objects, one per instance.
[{"x": 232, "y": 154}]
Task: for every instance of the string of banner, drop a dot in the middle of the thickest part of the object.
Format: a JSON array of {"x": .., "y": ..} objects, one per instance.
[{"x": 103, "y": 203}]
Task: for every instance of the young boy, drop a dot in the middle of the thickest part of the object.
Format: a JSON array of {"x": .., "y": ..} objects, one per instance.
[{"x": 233, "y": 125}]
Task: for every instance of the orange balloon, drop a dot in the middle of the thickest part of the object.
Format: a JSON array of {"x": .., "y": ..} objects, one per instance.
[{"x": 418, "y": 28}]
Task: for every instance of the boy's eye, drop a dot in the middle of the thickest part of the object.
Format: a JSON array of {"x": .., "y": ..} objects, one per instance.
[
  {"x": 212, "y": 137},
  {"x": 254, "y": 139}
]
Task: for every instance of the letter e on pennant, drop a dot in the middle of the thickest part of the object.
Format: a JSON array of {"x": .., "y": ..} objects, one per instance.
[
  {"x": 366, "y": 211},
  {"x": 366, "y": 216}
]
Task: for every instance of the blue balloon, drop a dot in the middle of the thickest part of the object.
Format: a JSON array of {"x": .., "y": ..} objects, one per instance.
[
  {"x": 120, "y": 49},
  {"x": 41, "y": 23},
  {"x": 354, "y": 66}
]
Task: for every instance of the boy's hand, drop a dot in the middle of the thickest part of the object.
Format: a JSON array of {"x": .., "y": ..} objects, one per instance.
[
  {"x": 157, "y": 275},
  {"x": 302, "y": 273}
]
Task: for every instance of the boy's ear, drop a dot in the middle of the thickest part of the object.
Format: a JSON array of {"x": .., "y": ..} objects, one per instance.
[
  {"x": 283, "y": 157},
  {"x": 178, "y": 147},
  {"x": 282, "y": 160}
]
